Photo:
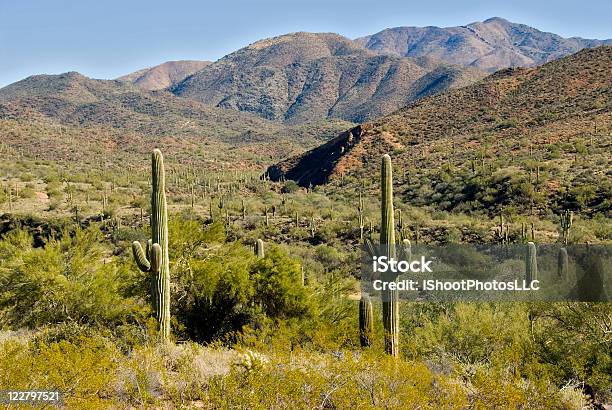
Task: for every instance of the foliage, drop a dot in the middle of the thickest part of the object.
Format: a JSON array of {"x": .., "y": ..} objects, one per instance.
[{"x": 68, "y": 279}]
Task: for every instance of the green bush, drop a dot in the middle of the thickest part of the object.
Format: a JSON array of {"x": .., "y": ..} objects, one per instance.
[{"x": 66, "y": 280}]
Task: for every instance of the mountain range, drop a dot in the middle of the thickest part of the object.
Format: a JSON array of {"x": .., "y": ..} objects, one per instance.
[
  {"x": 298, "y": 77},
  {"x": 490, "y": 45},
  {"x": 282, "y": 95},
  {"x": 118, "y": 114},
  {"x": 552, "y": 109}
]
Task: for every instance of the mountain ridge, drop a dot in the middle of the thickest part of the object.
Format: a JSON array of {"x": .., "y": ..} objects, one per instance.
[
  {"x": 114, "y": 107},
  {"x": 555, "y": 107},
  {"x": 165, "y": 75},
  {"x": 490, "y": 45},
  {"x": 301, "y": 76}
]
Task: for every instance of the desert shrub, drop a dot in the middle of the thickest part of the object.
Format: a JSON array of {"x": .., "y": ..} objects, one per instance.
[
  {"x": 83, "y": 369},
  {"x": 473, "y": 334},
  {"x": 54, "y": 205},
  {"x": 26, "y": 177},
  {"x": 27, "y": 193},
  {"x": 222, "y": 287},
  {"x": 66, "y": 280},
  {"x": 575, "y": 339},
  {"x": 278, "y": 286},
  {"x": 216, "y": 294},
  {"x": 290, "y": 187}
]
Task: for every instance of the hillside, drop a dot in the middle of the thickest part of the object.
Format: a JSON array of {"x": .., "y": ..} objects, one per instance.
[
  {"x": 164, "y": 75},
  {"x": 554, "y": 120},
  {"x": 489, "y": 45},
  {"x": 74, "y": 99},
  {"x": 68, "y": 110},
  {"x": 299, "y": 77}
]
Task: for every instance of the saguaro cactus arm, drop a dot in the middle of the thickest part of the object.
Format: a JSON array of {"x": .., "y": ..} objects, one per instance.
[
  {"x": 156, "y": 257},
  {"x": 406, "y": 250},
  {"x": 140, "y": 257}
]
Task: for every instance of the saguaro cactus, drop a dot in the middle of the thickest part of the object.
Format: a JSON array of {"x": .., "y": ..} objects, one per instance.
[
  {"x": 366, "y": 321},
  {"x": 406, "y": 250},
  {"x": 400, "y": 225},
  {"x": 313, "y": 226},
  {"x": 390, "y": 306},
  {"x": 567, "y": 219},
  {"x": 156, "y": 259},
  {"x": 531, "y": 263},
  {"x": 259, "y": 249},
  {"x": 361, "y": 219},
  {"x": 562, "y": 263},
  {"x": 523, "y": 232}
]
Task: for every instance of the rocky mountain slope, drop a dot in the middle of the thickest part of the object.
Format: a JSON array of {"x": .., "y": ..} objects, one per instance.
[
  {"x": 118, "y": 111},
  {"x": 557, "y": 118},
  {"x": 164, "y": 75},
  {"x": 299, "y": 77},
  {"x": 489, "y": 45}
]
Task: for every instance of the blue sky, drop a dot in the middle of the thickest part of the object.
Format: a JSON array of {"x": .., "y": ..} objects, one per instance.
[{"x": 105, "y": 39}]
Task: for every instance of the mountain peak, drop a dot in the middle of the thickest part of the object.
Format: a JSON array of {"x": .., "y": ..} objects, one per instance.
[
  {"x": 298, "y": 77},
  {"x": 497, "y": 20},
  {"x": 490, "y": 45},
  {"x": 164, "y": 75}
]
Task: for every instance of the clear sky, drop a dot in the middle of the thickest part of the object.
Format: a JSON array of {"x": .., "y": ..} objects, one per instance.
[{"x": 108, "y": 38}]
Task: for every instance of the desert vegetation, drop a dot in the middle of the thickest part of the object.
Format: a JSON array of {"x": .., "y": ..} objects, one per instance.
[
  {"x": 255, "y": 302},
  {"x": 154, "y": 252}
]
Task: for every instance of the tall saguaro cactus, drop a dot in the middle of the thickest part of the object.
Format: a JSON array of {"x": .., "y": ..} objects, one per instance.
[
  {"x": 566, "y": 221},
  {"x": 156, "y": 259},
  {"x": 531, "y": 263},
  {"x": 390, "y": 304},
  {"x": 361, "y": 220},
  {"x": 562, "y": 263},
  {"x": 366, "y": 321}
]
